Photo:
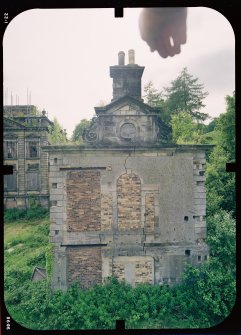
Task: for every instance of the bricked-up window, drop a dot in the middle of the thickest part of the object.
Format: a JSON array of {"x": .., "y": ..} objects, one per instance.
[
  {"x": 83, "y": 200},
  {"x": 84, "y": 266},
  {"x": 10, "y": 149},
  {"x": 10, "y": 181},
  {"x": 33, "y": 177},
  {"x": 149, "y": 212},
  {"x": 129, "y": 201},
  {"x": 32, "y": 148}
]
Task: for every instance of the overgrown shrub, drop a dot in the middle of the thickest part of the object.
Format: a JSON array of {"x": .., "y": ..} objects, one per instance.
[{"x": 32, "y": 213}]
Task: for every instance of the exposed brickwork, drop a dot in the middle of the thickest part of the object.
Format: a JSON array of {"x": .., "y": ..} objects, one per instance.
[
  {"x": 129, "y": 201},
  {"x": 83, "y": 200},
  {"x": 143, "y": 272},
  {"x": 150, "y": 212},
  {"x": 106, "y": 212},
  {"x": 118, "y": 270},
  {"x": 84, "y": 266}
]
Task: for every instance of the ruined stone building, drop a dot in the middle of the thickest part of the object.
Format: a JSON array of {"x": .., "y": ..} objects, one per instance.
[
  {"x": 24, "y": 133},
  {"x": 126, "y": 203}
]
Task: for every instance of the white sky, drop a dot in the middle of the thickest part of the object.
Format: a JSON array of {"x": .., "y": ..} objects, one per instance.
[{"x": 62, "y": 56}]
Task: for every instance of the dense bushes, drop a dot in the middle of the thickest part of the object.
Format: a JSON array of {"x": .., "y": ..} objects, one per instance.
[{"x": 34, "y": 212}]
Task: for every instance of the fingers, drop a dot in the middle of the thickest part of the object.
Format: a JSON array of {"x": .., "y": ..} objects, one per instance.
[
  {"x": 167, "y": 46},
  {"x": 165, "y": 30}
]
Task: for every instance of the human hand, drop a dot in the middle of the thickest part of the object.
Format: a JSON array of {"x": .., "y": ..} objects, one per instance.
[{"x": 164, "y": 29}]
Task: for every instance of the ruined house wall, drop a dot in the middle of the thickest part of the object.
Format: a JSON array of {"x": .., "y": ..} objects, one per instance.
[
  {"x": 28, "y": 171},
  {"x": 126, "y": 212}
]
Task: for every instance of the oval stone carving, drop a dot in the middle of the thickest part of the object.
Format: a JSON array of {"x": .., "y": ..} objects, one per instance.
[{"x": 128, "y": 130}]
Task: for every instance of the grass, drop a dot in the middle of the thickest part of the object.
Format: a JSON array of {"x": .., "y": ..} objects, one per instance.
[{"x": 25, "y": 244}]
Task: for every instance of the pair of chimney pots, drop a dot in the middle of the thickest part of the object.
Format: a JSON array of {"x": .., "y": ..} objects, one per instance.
[{"x": 121, "y": 57}]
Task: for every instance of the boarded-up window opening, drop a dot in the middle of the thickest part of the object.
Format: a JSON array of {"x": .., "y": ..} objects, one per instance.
[
  {"x": 32, "y": 148},
  {"x": 10, "y": 149},
  {"x": 33, "y": 180}
]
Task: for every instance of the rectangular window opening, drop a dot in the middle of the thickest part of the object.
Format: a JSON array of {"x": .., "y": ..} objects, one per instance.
[
  {"x": 10, "y": 150},
  {"x": 10, "y": 181},
  {"x": 187, "y": 252}
]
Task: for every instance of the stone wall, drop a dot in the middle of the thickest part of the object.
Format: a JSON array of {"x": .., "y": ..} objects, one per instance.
[
  {"x": 143, "y": 203},
  {"x": 22, "y": 195}
]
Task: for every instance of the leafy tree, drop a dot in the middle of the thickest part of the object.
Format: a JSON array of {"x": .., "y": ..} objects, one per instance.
[
  {"x": 212, "y": 124},
  {"x": 221, "y": 184},
  {"x": 152, "y": 97},
  {"x": 226, "y": 126},
  {"x": 184, "y": 130},
  {"x": 221, "y": 238},
  {"x": 57, "y": 135},
  {"x": 185, "y": 94},
  {"x": 79, "y": 129}
]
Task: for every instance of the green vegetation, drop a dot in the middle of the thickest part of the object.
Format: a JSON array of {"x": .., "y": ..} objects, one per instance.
[
  {"x": 32, "y": 213},
  {"x": 79, "y": 130},
  {"x": 25, "y": 244},
  {"x": 205, "y": 297},
  {"x": 184, "y": 94},
  {"x": 57, "y": 135}
]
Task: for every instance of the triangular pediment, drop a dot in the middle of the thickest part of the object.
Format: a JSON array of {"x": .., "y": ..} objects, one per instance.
[
  {"x": 126, "y": 105},
  {"x": 9, "y": 123}
]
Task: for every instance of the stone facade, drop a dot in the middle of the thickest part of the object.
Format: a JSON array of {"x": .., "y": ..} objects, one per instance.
[
  {"x": 125, "y": 203},
  {"x": 142, "y": 202},
  {"x": 24, "y": 135}
]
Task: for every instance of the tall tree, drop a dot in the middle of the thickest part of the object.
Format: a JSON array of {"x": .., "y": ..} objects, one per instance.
[
  {"x": 57, "y": 135},
  {"x": 152, "y": 96},
  {"x": 221, "y": 184},
  {"x": 226, "y": 125},
  {"x": 185, "y": 94},
  {"x": 78, "y": 131}
]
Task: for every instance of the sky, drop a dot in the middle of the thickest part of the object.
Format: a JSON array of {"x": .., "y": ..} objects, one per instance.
[{"x": 59, "y": 59}]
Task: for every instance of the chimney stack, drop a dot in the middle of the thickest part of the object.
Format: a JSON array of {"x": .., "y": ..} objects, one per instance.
[
  {"x": 131, "y": 54},
  {"x": 121, "y": 58},
  {"x": 126, "y": 78}
]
